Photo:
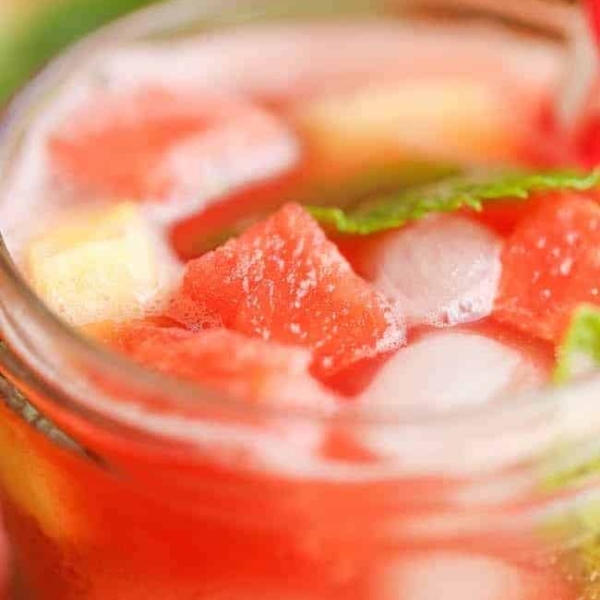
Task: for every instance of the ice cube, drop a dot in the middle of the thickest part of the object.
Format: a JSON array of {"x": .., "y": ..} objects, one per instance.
[
  {"x": 448, "y": 370},
  {"x": 443, "y": 271},
  {"x": 450, "y": 576},
  {"x": 248, "y": 146}
]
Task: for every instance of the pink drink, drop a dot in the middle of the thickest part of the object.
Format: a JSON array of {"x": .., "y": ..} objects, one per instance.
[{"x": 311, "y": 322}]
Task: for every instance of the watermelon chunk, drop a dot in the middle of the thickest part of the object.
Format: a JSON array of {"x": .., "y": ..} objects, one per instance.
[
  {"x": 502, "y": 217},
  {"x": 227, "y": 361},
  {"x": 154, "y": 143},
  {"x": 283, "y": 280},
  {"x": 551, "y": 264}
]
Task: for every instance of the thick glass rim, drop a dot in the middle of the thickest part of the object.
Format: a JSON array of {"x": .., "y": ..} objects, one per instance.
[{"x": 553, "y": 413}]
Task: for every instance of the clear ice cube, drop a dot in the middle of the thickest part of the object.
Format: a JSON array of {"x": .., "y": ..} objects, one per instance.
[{"x": 442, "y": 271}]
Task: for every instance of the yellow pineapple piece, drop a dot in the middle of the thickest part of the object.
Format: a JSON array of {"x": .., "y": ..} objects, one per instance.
[
  {"x": 458, "y": 120},
  {"x": 99, "y": 266},
  {"x": 32, "y": 478}
]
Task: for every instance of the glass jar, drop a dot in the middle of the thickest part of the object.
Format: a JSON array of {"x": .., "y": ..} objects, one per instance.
[{"x": 123, "y": 484}]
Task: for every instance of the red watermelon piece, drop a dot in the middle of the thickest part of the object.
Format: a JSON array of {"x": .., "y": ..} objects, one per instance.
[
  {"x": 283, "y": 280},
  {"x": 227, "y": 361},
  {"x": 551, "y": 264},
  {"x": 501, "y": 217},
  {"x": 155, "y": 143}
]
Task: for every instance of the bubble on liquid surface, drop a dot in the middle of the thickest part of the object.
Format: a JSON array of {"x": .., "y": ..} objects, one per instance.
[
  {"x": 443, "y": 271},
  {"x": 449, "y": 370}
]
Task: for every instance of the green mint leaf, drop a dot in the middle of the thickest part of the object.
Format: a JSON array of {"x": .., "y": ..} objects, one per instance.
[
  {"x": 575, "y": 529},
  {"x": 355, "y": 188},
  {"x": 580, "y": 350},
  {"x": 391, "y": 211},
  {"x": 576, "y": 526}
]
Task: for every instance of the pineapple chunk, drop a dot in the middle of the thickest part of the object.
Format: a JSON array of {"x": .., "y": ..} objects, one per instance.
[
  {"x": 35, "y": 475},
  {"x": 458, "y": 120},
  {"x": 98, "y": 267}
]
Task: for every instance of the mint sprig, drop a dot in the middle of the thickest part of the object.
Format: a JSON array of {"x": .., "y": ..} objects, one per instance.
[
  {"x": 394, "y": 210},
  {"x": 576, "y": 527},
  {"x": 580, "y": 349},
  {"x": 325, "y": 190}
]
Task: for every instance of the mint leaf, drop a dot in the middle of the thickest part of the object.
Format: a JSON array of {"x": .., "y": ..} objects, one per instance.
[
  {"x": 580, "y": 350},
  {"x": 576, "y": 526},
  {"x": 575, "y": 529},
  {"x": 395, "y": 210},
  {"x": 340, "y": 190},
  {"x": 356, "y": 187}
]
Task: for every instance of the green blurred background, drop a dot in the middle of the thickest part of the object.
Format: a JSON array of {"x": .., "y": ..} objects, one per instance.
[{"x": 32, "y": 31}]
